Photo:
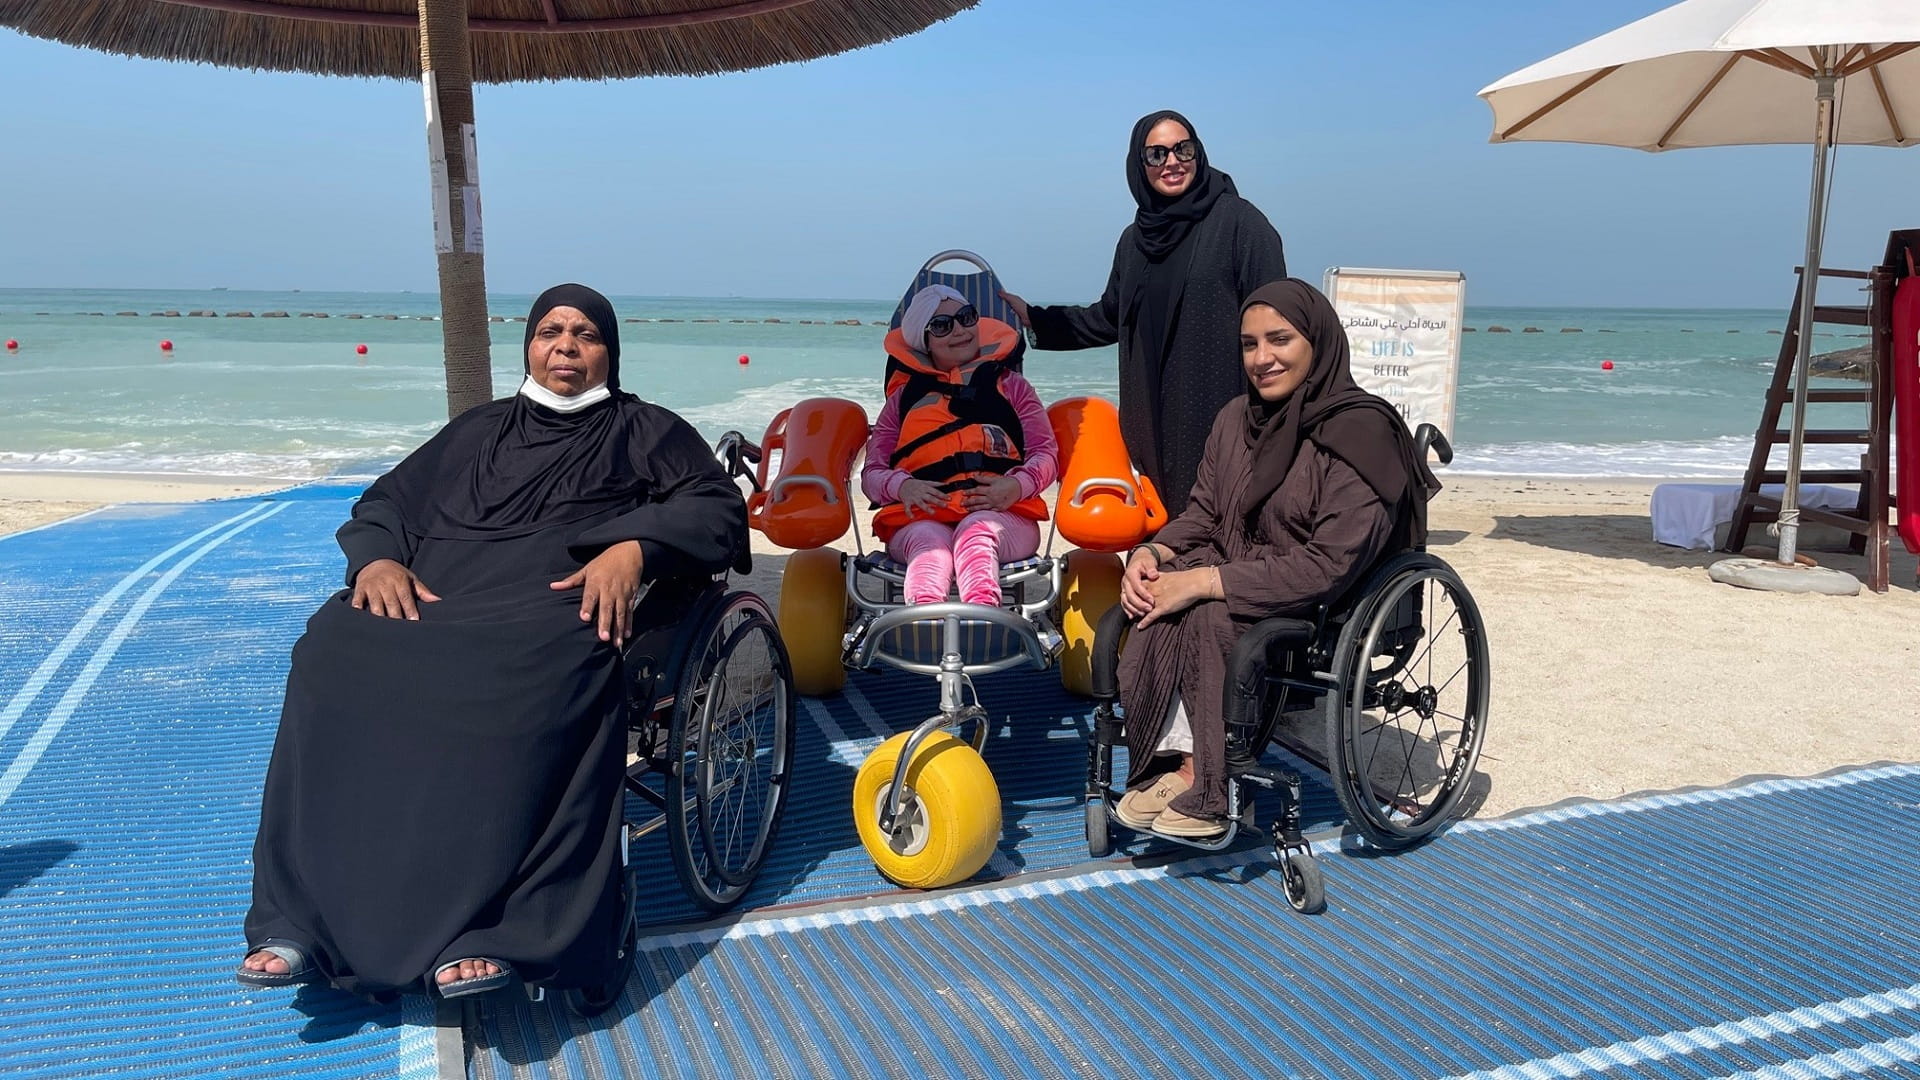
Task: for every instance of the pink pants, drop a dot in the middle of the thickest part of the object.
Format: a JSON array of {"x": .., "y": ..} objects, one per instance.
[{"x": 970, "y": 550}]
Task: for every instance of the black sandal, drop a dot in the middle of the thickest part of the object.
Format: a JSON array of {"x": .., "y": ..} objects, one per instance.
[
  {"x": 479, "y": 984},
  {"x": 300, "y": 966}
]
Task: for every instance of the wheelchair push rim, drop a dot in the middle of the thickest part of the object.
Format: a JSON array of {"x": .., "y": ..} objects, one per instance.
[
  {"x": 1408, "y": 718},
  {"x": 731, "y": 745}
]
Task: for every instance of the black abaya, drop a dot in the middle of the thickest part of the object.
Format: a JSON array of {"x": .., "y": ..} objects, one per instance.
[{"x": 448, "y": 788}]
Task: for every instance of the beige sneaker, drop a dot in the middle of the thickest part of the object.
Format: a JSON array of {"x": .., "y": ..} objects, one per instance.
[
  {"x": 1174, "y": 823},
  {"x": 1138, "y": 809}
]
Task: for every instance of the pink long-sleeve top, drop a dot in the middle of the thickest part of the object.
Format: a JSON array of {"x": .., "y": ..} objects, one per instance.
[{"x": 881, "y": 482}]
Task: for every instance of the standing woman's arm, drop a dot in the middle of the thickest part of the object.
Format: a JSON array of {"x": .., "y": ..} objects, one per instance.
[{"x": 1063, "y": 327}]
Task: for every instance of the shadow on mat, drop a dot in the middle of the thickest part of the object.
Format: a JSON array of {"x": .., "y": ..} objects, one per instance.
[
  {"x": 334, "y": 1014},
  {"x": 21, "y": 863}
]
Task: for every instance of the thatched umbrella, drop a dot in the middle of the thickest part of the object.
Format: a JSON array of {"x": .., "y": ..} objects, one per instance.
[{"x": 449, "y": 45}]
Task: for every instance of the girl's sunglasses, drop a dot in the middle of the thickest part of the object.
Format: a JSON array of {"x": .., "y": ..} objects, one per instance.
[
  {"x": 942, "y": 325},
  {"x": 1156, "y": 156}
]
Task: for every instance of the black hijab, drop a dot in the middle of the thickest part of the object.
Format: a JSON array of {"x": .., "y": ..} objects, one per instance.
[
  {"x": 513, "y": 467},
  {"x": 1359, "y": 428},
  {"x": 587, "y": 302},
  {"x": 1161, "y": 226}
]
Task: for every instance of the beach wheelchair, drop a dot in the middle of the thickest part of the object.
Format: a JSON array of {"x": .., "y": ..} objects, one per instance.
[
  {"x": 925, "y": 804},
  {"x": 1400, "y": 669},
  {"x": 710, "y": 708}
]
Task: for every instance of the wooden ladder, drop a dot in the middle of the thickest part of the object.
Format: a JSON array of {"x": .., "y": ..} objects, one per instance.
[{"x": 1868, "y": 519}]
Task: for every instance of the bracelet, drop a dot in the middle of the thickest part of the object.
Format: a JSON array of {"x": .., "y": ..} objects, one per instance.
[{"x": 1157, "y": 560}]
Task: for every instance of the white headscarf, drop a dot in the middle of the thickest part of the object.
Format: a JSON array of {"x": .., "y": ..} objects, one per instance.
[{"x": 913, "y": 324}]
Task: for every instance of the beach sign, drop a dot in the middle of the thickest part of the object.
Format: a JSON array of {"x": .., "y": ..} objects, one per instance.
[{"x": 1403, "y": 330}]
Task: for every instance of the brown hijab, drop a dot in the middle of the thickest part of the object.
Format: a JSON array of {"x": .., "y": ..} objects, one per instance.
[{"x": 1359, "y": 428}]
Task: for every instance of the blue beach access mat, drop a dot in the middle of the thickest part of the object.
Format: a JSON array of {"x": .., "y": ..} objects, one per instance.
[{"x": 1762, "y": 930}]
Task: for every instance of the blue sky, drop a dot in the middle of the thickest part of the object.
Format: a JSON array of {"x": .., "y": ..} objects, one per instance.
[{"x": 1353, "y": 126}]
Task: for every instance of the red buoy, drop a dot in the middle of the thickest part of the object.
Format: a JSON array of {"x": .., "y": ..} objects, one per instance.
[
  {"x": 12, "y": 344},
  {"x": 1606, "y": 365},
  {"x": 361, "y": 349},
  {"x": 166, "y": 346},
  {"x": 743, "y": 359}
]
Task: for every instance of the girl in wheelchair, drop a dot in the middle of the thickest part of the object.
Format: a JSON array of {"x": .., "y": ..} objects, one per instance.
[
  {"x": 1305, "y": 483},
  {"x": 959, "y": 454}
]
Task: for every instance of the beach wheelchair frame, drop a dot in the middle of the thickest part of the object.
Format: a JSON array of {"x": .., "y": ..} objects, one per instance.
[
  {"x": 710, "y": 713},
  {"x": 925, "y": 804},
  {"x": 1400, "y": 668}
]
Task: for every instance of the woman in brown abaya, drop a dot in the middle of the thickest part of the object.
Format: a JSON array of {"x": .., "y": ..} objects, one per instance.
[{"x": 1306, "y": 481}]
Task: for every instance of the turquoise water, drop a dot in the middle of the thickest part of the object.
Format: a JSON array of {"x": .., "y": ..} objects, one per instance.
[{"x": 291, "y": 398}]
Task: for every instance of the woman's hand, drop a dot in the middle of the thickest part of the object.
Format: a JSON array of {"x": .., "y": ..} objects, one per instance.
[
  {"x": 387, "y": 589},
  {"x": 1177, "y": 590},
  {"x": 1142, "y": 569},
  {"x": 996, "y": 494},
  {"x": 1018, "y": 305},
  {"x": 609, "y": 582},
  {"x": 921, "y": 496}
]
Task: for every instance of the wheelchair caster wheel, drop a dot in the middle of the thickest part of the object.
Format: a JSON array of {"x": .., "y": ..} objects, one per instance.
[
  {"x": 1099, "y": 844},
  {"x": 1306, "y": 890},
  {"x": 949, "y": 821}
]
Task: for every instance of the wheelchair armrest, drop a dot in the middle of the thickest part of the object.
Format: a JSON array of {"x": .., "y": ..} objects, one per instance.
[
  {"x": 1246, "y": 666},
  {"x": 1106, "y": 653}
]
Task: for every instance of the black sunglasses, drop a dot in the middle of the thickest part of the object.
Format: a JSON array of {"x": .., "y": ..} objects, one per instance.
[
  {"x": 942, "y": 325},
  {"x": 1156, "y": 156}
]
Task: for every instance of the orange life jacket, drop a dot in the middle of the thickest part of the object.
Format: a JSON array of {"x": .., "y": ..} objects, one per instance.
[{"x": 957, "y": 429}]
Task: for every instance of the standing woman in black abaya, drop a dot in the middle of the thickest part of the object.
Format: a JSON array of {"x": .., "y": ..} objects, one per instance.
[
  {"x": 442, "y": 808},
  {"x": 1195, "y": 250}
]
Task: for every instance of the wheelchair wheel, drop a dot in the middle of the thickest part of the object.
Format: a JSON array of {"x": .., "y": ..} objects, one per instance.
[
  {"x": 731, "y": 748},
  {"x": 951, "y": 812},
  {"x": 813, "y": 618},
  {"x": 1090, "y": 585},
  {"x": 1099, "y": 843},
  {"x": 1306, "y": 889},
  {"x": 1408, "y": 713}
]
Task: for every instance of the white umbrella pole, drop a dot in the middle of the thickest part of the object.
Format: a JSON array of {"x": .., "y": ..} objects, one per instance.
[{"x": 1809, "y": 289}]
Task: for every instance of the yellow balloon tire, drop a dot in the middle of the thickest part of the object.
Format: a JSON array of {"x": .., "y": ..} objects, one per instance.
[
  {"x": 813, "y": 618},
  {"x": 1090, "y": 585},
  {"x": 954, "y": 808}
]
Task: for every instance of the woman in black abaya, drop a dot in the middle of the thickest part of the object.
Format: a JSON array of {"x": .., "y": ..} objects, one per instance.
[
  {"x": 1194, "y": 251},
  {"x": 443, "y": 799}
]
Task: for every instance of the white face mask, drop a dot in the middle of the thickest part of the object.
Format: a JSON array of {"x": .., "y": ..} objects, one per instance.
[{"x": 540, "y": 395}]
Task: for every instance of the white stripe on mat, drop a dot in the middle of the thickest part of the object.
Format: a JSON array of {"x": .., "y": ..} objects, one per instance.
[
  {"x": 23, "y": 698},
  {"x": 63, "y": 710},
  {"x": 842, "y": 748},
  {"x": 1754, "y": 1029},
  {"x": 1125, "y": 874}
]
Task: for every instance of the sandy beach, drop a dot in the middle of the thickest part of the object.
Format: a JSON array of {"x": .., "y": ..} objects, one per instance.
[{"x": 1618, "y": 666}]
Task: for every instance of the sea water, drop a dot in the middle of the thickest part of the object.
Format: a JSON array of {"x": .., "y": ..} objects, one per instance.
[{"x": 89, "y": 389}]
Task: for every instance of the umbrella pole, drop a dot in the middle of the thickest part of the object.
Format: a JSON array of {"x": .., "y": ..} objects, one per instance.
[
  {"x": 446, "y": 76},
  {"x": 1809, "y": 288}
]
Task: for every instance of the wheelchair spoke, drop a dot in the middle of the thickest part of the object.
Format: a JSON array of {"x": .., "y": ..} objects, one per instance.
[{"x": 1408, "y": 733}]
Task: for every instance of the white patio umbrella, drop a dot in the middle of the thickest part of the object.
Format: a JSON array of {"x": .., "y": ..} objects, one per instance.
[{"x": 1729, "y": 73}]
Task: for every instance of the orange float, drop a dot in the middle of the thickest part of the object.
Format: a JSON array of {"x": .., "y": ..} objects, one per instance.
[
  {"x": 806, "y": 505},
  {"x": 1104, "y": 504}
]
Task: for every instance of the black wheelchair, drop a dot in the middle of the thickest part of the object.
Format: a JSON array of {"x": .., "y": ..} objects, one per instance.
[
  {"x": 1400, "y": 667},
  {"x": 710, "y": 712}
]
